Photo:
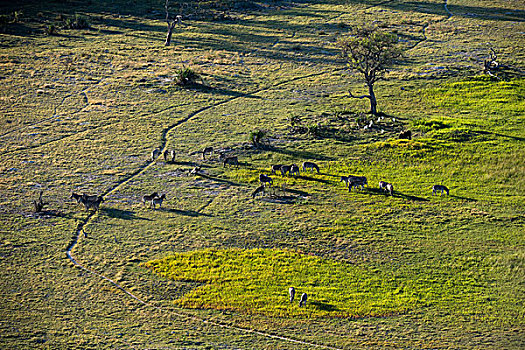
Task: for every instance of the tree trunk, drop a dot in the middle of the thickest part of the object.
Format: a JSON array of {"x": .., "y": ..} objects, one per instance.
[
  {"x": 168, "y": 36},
  {"x": 373, "y": 101}
]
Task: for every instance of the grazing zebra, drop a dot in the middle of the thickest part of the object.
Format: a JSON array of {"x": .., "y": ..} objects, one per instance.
[
  {"x": 276, "y": 167},
  {"x": 285, "y": 169},
  {"x": 438, "y": 188},
  {"x": 232, "y": 160},
  {"x": 77, "y": 197},
  {"x": 356, "y": 181},
  {"x": 294, "y": 169},
  {"x": 302, "y": 302},
  {"x": 291, "y": 292},
  {"x": 310, "y": 165},
  {"x": 155, "y": 153},
  {"x": 91, "y": 202},
  {"x": 158, "y": 200},
  {"x": 407, "y": 135},
  {"x": 207, "y": 150},
  {"x": 265, "y": 179},
  {"x": 258, "y": 190},
  {"x": 389, "y": 188},
  {"x": 148, "y": 199}
]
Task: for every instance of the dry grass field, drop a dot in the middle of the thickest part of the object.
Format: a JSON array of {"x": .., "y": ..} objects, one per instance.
[{"x": 88, "y": 91}]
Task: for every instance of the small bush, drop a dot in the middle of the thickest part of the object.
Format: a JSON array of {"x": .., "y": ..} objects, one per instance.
[
  {"x": 257, "y": 136},
  {"x": 187, "y": 76},
  {"x": 51, "y": 29},
  {"x": 76, "y": 22},
  {"x": 314, "y": 130}
]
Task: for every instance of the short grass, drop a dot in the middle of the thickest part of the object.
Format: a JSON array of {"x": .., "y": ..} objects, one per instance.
[
  {"x": 257, "y": 280},
  {"x": 82, "y": 111}
]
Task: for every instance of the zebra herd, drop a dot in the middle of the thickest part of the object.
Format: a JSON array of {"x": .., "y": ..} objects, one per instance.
[{"x": 351, "y": 181}]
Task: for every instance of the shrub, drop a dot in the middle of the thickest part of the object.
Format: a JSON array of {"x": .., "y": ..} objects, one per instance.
[
  {"x": 257, "y": 136},
  {"x": 186, "y": 76},
  {"x": 77, "y": 22},
  {"x": 51, "y": 29}
]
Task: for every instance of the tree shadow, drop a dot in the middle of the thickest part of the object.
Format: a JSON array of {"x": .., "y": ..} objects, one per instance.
[
  {"x": 122, "y": 214},
  {"x": 191, "y": 213},
  {"x": 482, "y": 132}
]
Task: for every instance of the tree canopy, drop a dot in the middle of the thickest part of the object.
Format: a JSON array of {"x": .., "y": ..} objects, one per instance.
[{"x": 370, "y": 51}]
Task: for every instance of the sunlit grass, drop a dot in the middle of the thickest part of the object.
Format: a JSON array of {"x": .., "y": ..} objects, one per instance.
[{"x": 257, "y": 281}]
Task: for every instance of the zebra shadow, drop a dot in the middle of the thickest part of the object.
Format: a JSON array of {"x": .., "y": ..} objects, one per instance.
[
  {"x": 308, "y": 178},
  {"x": 409, "y": 197},
  {"x": 464, "y": 198},
  {"x": 216, "y": 179},
  {"x": 122, "y": 214},
  {"x": 324, "y": 306},
  {"x": 298, "y": 192},
  {"x": 191, "y": 213}
]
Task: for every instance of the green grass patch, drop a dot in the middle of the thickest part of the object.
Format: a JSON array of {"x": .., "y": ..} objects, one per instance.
[
  {"x": 257, "y": 281},
  {"x": 482, "y": 95}
]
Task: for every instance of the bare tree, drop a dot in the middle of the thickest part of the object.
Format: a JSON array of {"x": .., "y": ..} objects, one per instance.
[
  {"x": 172, "y": 22},
  {"x": 39, "y": 204},
  {"x": 370, "y": 51}
]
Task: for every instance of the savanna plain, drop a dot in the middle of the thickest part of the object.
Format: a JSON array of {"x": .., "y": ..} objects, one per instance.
[{"x": 88, "y": 91}]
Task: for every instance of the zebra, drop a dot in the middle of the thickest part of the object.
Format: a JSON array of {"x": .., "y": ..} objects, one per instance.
[
  {"x": 207, "y": 150},
  {"x": 258, "y": 190},
  {"x": 310, "y": 165},
  {"x": 285, "y": 169},
  {"x": 276, "y": 167},
  {"x": 155, "y": 153},
  {"x": 302, "y": 302},
  {"x": 149, "y": 198},
  {"x": 294, "y": 169},
  {"x": 265, "y": 179},
  {"x": 291, "y": 292},
  {"x": 158, "y": 200},
  {"x": 438, "y": 188}
]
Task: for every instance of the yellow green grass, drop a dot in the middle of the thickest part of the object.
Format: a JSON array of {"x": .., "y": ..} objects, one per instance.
[{"x": 257, "y": 281}]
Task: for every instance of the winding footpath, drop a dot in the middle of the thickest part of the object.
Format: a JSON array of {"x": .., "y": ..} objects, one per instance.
[{"x": 142, "y": 169}]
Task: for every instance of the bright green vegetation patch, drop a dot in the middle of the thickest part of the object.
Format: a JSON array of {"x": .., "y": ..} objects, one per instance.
[
  {"x": 481, "y": 94},
  {"x": 257, "y": 281}
]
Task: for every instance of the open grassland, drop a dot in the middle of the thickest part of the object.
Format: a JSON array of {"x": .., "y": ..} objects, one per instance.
[{"x": 82, "y": 111}]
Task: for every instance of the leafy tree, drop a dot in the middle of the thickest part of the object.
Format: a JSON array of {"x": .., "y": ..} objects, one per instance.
[{"x": 370, "y": 51}]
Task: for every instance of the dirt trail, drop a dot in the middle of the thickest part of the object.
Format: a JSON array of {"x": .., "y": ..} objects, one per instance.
[
  {"x": 142, "y": 169},
  {"x": 138, "y": 172}
]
